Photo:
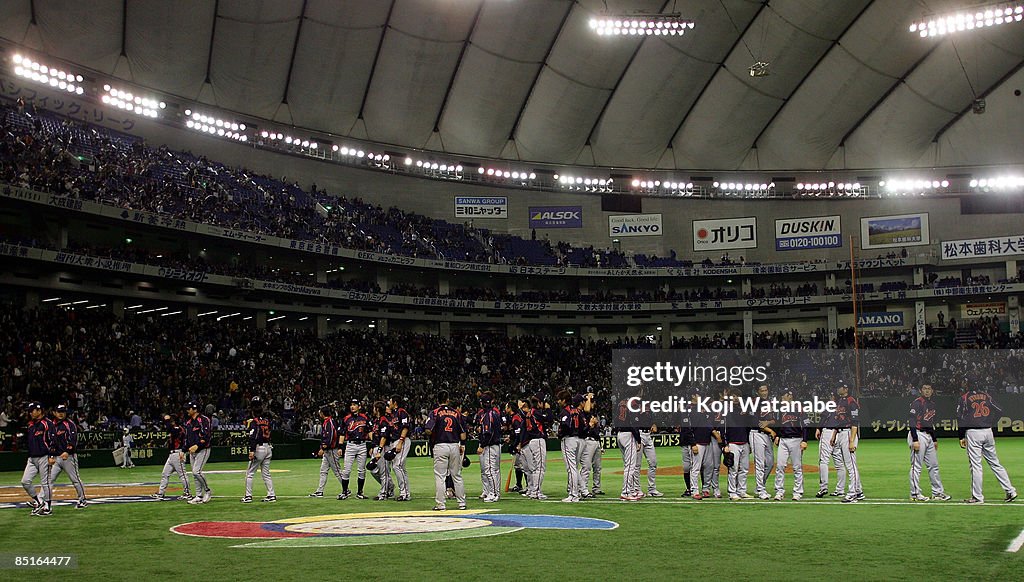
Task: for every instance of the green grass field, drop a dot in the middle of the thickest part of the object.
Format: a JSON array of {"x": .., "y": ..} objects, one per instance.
[{"x": 884, "y": 538}]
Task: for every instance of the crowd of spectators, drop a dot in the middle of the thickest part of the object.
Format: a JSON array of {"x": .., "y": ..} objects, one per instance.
[
  {"x": 110, "y": 370},
  {"x": 56, "y": 155}
]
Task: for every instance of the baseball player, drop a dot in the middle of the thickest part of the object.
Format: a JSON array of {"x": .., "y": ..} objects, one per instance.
[
  {"x": 791, "y": 436},
  {"x": 65, "y": 440},
  {"x": 330, "y": 449},
  {"x": 489, "y": 449},
  {"x": 538, "y": 422},
  {"x": 647, "y": 452},
  {"x": 175, "y": 462},
  {"x": 762, "y": 446},
  {"x": 517, "y": 444},
  {"x": 845, "y": 440},
  {"x": 401, "y": 423},
  {"x": 535, "y": 449},
  {"x": 712, "y": 457},
  {"x": 737, "y": 441},
  {"x": 260, "y": 451},
  {"x": 828, "y": 454},
  {"x": 447, "y": 432},
  {"x": 628, "y": 437},
  {"x": 977, "y": 412},
  {"x": 569, "y": 426},
  {"x": 355, "y": 431},
  {"x": 380, "y": 441},
  {"x": 924, "y": 446},
  {"x": 198, "y": 435},
  {"x": 127, "y": 441},
  {"x": 687, "y": 443},
  {"x": 590, "y": 448},
  {"x": 41, "y": 457}
]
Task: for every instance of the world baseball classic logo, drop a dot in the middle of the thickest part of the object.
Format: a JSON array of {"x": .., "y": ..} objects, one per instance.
[{"x": 365, "y": 529}]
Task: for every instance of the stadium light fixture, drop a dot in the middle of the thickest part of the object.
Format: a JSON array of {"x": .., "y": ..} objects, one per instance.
[
  {"x": 916, "y": 186},
  {"x": 968, "y": 19},
  {"x": 831, "y": 189},
  {"x": 211, "y": 125},
  {"x": 497, "y": 174},
  {"x": 275, "y": 318},
  {"x": 54, "y": 77},
  {"x": 640, "y": 25},
  {"x": 747, "y": 189},
  {"x": 50, "y": 299},
  {"x": 170, "y": 313},
  {"x": 1000, "y": 183},
  {"x": 127, "y": 101},
  {"x": 583, "y": 184}
]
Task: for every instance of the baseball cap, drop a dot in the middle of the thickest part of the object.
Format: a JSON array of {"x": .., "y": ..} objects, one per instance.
[
  {"x": 33, "y": 406},
  {"x": 577, "y": 399},
  {"x": 486, "y": 398},
  {"x": 256, "y": 400},
  {"x": 191, "y": 404},
  {"x": 355, "y": 401},
  {"x": 61, "y": 408}
]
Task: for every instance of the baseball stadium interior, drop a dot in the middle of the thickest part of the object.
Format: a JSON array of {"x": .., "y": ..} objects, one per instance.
[{"x": 381, "y": 255}]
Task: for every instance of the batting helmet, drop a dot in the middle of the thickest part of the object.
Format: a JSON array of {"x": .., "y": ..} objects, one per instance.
[
  {"x": 372, "y": 465},
  {"x": 390, "y": 455},
  {"x": 465, "y": 461}
]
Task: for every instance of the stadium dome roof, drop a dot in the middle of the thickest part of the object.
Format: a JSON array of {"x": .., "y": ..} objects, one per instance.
[{"x": 849, "y": 86}]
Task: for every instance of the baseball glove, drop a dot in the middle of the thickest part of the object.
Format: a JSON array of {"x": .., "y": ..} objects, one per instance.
[
  {"x": 465, "y": 461},
  {"x": 729, "y": 459},
  {"x": 390, "y": 455},
  {"x": 372, "y": 465}
]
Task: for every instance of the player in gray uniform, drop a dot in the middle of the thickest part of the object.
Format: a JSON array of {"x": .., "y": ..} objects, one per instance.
[
  {"x": 260, "y": 452},
  {"x": 128, "y": 442},
  {"x": 355, "y": 432},
  {"x": 977, "y": 413},
  {"x": 379, "y": 465},
  {"x": 791, "y": 436},
  {"x": 329, "y": 449},
  {"x": 489, "y": 448},
  {"x": 400, "y": 421},
  {"x": 628, "y": 438},
  {"x": 924, "y": 446},
  {"x": 198, "y": 440},
  {"x": 647, "y": 450},
  {"x": 827, "y": 453},
  {"x": 737, "y": 442},
  {"x": 569, "y": 426},
  {"x": 762, "y": 446},
  {"x": 41, "y": 458},
  {"x": 846, "y": 440},
  {"x": 65, "y": 439},
  {"x": 175, "y": 462},
  {"x": 446, "y": 430},
  {"x": 590, "y": 447},
  {"x": 711, "y": 457}
]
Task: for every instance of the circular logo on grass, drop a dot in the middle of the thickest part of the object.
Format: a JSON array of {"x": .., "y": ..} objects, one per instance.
[{"x": 363, "y": 529}]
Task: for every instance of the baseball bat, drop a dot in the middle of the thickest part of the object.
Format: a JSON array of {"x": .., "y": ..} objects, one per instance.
[{"x": 508, "y": 481}]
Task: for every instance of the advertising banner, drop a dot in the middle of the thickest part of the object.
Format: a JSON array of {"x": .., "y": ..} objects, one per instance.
[
  {"x": 481, "y": 207},
  {"x": 556, "y": 217},
  {"x": 904, "y": 230},
  {"x": 815, "y": 232},
  {"x": 725, "y": 234},
  {"x": 634, "y": 225}
]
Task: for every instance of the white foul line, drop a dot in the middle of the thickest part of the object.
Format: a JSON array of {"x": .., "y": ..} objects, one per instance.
[{"x": 1017, "y": 543}]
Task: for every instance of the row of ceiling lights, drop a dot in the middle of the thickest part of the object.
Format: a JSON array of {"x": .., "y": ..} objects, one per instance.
[
  {"x": 961, "y": 21},
  {"x": 238, "y": 131}
]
